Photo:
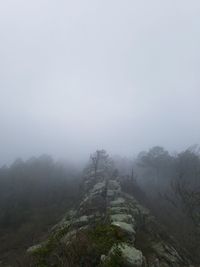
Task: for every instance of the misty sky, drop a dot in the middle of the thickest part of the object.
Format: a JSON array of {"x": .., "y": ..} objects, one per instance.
[{"x": 84, "y": 74}]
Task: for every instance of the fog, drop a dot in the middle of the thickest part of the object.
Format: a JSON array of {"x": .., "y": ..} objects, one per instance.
[{"x": 80, "y": 75}]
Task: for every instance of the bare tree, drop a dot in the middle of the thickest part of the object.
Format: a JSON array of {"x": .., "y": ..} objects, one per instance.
[{"x": 100, "y": 161}]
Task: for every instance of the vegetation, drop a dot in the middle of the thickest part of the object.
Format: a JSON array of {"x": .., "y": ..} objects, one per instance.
[
  {"x": 100, "y": 161},
  {"x": 84, "y": 249},
  {"x": 105, "y": 236},
  {"x": 115, "y": 259},
  {"x": 33, "y": 196},
  {"x": 170, "y": 186}
]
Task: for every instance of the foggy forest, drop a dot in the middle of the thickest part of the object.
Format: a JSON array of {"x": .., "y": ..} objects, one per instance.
[{"x": 99, "y": 133}]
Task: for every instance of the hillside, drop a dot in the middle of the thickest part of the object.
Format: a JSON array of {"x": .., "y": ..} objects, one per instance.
[{"x": 108, "y": 228}]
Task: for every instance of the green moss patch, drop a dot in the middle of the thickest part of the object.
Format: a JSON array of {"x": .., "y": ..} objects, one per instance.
[
  {"x": 85, "y": 249},
  {"x": 104, "y": 236}
]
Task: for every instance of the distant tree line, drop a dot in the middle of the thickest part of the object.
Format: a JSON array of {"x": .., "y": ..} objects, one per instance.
[
  {"x": 34, "y": 195},
  {"x": 169, "y": 184}
]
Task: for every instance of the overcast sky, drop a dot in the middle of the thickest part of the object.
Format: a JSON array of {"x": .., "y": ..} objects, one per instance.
[{"x": 84, "y": 74}]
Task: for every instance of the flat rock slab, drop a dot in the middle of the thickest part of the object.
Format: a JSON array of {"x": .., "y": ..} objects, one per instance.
[
  {"x": 122, "y": 217},
  {"x": 125, "y": 227},
  {"x": 117, "y": 210},
  {"x": 118, "y": 202}
]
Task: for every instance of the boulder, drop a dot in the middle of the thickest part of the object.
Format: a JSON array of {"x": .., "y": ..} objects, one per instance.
[
  {"x": 127, "y": 229},
  {"x": 131, "y": 257}
]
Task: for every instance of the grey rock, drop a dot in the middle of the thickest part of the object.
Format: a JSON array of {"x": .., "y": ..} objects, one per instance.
[
  {"x": 126, "y": 228},
  {"x": 131, "y": 257}
]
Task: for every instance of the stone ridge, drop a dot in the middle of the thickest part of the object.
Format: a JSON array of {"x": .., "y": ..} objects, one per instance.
[{"x": 126, "y": 234}]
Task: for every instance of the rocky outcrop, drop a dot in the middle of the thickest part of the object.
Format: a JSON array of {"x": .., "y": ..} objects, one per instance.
[{"x": 110, "y": 228}]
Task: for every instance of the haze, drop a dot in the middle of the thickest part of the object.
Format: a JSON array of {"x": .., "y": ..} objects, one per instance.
[{"x": 80, "y": 75}]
